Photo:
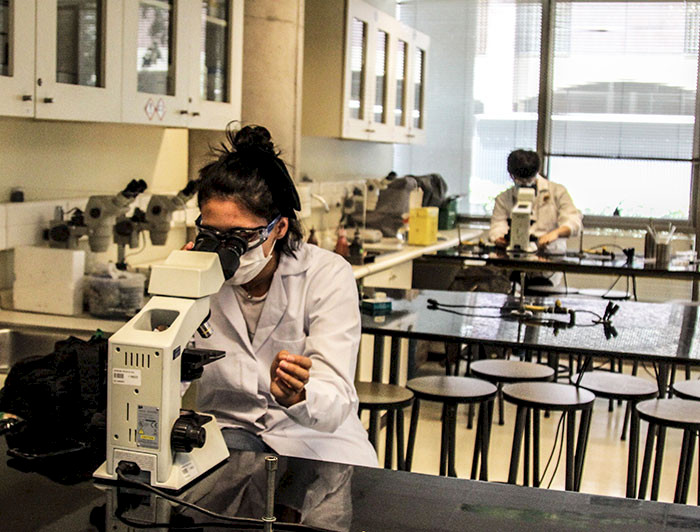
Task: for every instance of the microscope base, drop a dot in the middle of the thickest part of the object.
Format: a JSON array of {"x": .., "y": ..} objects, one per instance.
[{"x": 186, "y": 467}]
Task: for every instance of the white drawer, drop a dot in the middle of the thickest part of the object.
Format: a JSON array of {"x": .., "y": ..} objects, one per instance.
[{"x": 399, "y": 276}]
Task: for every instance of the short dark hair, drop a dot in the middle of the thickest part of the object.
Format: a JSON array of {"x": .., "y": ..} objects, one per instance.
[
  {"x": 523, "y": 163},
  {"x": 248, "y": 169}
]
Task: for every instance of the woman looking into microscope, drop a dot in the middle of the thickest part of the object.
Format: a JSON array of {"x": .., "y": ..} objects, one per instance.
[{"x": 288, "y": 319}]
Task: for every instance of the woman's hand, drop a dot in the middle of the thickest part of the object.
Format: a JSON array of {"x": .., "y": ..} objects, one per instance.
[
  {"x": 289, "y": 374},
  {"x": 500, "y": 242},
  {"x": 547, "y": 239},
  {"x": 187, "y": 246}
]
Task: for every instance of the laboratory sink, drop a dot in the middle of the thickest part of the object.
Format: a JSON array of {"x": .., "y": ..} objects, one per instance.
[{"x": 19, "y": 343}]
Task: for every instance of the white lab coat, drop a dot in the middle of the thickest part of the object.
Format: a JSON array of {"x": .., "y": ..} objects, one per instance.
[
  {"x": 553, "y": 208},
  {"x": 312, "y": 310}
]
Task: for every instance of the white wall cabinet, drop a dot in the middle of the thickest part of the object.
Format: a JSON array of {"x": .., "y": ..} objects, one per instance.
[
  {"x": 172, "y": 63},
  {"x": 63, "y": 60},
  {"x": 357, "y": 60},
  {"x": 182, "y": 62},
  {"x": 17, "y": 32}
]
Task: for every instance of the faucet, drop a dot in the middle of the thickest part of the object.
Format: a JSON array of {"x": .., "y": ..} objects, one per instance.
[{"x": 322, "y": 201}]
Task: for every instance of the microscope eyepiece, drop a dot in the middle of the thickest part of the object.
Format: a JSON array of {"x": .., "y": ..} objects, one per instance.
[{"x": 229, "y": 252}]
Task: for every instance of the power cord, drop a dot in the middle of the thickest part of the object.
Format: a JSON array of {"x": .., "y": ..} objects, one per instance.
[{"x": 130, "y": 468}]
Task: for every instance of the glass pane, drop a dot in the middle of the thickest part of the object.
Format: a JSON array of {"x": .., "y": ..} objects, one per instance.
[
  {"x": 214, "y": 57},
  {"x": 418, "y": 84},
  {"x": 357, "y": 68},
  {"x": 381, "y": 78},
  {"x": 624, "y": 87},
  {"x": 154, "y": 55},
  {"x": 400, "y": 81},
  {"x": 635, "y": 188},
  {"x": 5, "y": 38},
  {"x": 79, "y": 28},
  {"x": 505, "y": 94}
]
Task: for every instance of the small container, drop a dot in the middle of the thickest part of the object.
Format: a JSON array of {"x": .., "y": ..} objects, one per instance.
[
  {"x": 663, "y": 255},
  {"x": 115, "y": 297},
  {"x": 649, "y": 246},
  {"x": 423, "y": 226}
]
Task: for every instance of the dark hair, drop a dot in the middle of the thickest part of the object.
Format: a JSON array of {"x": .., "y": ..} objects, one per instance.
[
  {"x": 248, "y": 169},
  {"x": 523, "y": 163}
]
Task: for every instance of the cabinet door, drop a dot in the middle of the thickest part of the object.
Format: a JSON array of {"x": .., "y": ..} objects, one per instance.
[
  {"x": 17, "y": 57},
  {"x": 359, "y": 37},
  {"x": 78, "y": 59},
  {"x": 215, "y": 64},
  {"x": 156, "y": 62},
  {"x": 380, "y": 92},
  {"x": 418, "y": 67},
  {"x": 400, "y": 50}
]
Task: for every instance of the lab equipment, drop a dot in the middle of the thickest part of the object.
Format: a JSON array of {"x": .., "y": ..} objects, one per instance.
[
  {"x": 102, "y": 213},
  {"x": 159, "y": 212},
  {"x": 520, "y": 220},
  {"x": 423, "y": 226},
  {"x": 113, "y": 293},
  {"x": 64, "y": 234},
  {"x": 145, "y": 424}
]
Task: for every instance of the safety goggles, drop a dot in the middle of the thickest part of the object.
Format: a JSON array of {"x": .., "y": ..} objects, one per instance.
[{"x": 254, "y": 236}]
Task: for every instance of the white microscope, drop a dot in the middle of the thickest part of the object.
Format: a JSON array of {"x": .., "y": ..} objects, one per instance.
[
  {"x": 145, "y": 425},
  {"x": 520, "y": 219}
]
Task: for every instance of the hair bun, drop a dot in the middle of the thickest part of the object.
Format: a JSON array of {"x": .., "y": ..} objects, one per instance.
[{"x": 253, "y": 138}]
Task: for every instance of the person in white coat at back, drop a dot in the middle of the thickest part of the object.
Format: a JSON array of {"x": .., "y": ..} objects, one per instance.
[{"x": 288, "y": 319}]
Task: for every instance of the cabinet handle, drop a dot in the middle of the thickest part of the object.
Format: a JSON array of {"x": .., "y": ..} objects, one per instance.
[
  {"x": 26, "y": 97},
  {"x": 370, "y": 130},
  {"x": 195, "y": 113},
  {"x": 48, "y": 100},
  {"x": 410, "y": 136},
  {"x": 184, "y": 112}
]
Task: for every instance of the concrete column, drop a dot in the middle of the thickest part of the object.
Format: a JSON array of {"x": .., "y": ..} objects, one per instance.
[{"x": 273, "y": 54}]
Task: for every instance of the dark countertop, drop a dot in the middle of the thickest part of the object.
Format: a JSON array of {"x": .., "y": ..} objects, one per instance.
[
  {"x": 645, "y": 331},
  {"x": 331, "y": 496}
]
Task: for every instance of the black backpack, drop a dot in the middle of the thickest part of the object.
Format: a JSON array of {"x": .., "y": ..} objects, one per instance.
[{"x": 62, "y": 399}]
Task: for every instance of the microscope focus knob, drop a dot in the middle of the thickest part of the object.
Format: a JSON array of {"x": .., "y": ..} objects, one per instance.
[{"x": 187, "y": 434}]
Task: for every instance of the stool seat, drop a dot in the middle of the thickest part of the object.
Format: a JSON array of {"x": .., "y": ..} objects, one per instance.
[
  {"x": 676, "y": 413},
  {"x": 548, "y": 395},
  {"x": 455, "y": 389},
  {"x": 511, "y": 370},
  {"x": 617, "y": 385},
  {"x": 687, "y": 390},
  {"x": 382, "y": 396}
]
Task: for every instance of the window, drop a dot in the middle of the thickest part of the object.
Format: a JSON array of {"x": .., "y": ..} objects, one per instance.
[{"x": 614, "y": 119}]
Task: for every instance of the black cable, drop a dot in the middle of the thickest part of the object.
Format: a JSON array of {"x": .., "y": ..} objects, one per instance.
[
  {"x": 450, "y": 311},
  {"x": 436, "y": 303},
  {"x": 612, "y": 286},
  {"x": 554, "y": 447},
  {"x": 209, "y": 513},
  {"x": 561, "y": 448}
]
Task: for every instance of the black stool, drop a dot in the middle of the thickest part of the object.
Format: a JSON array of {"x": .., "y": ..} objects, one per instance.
[
  {"x": 376, "y": 397},
  {"x": 452, "y": 391},
  {"x": 530, "y": 398},
  {"x": 500, "y": 372},
  {"x": 689, "y": 390},
  {"x": 622, "y": 387},
  {"x": 662, "y": 414}
]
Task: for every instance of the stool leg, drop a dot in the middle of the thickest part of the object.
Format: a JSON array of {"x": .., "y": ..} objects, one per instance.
[
  {"x": 570, "y": 427},
  {"x": 632, "y": 458},
  {"x": 478, "y": 439},
  {"x": 517, "y": 440},
  {"x": 415, "y": 410},
  {"x": 486, "y": 440},
  {"x": 470, "y": 416},
  {"x": 444, "y": 443},
  {"x": 681, "y": 467},
  {"x": 625, "y": 423},
  {"x": 536, "y": 448},
  {"x": 374, "y": 428},
  {"x": 658, "y": 462},
  {"x": 526, "y": 450},
  {"x": 499, "y": 396},
  {"x": 581, "y": 446},
  {"x": 400, "y": 452},
  {"x": 646, "y": 461},
  {"x": 688, "y": 466},
  {"x": 452, "y": 437},
  {"x": 389, "y": 443}
]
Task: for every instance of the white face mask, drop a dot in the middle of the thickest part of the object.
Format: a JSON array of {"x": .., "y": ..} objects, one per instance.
[
  {"x": 252, "y": 263},
  {"x": 521, "y": 182}
]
